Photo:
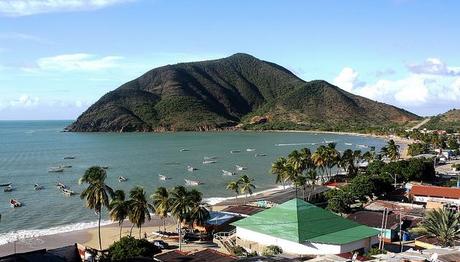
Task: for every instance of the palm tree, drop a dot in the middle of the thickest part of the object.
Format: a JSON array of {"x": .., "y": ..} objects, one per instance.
[
  {"x": 199, "y": 213},
  {"x": 119, "y": 208},
  {"x": 391, "y": 150},
  {"x": 161, "y": 204},
  {"x": 332, "y": 157},
  {"x": 300, "y": 181},
  {"x": 180, "y": 207},
  {"x": 312, "y": 177},
  {"x": 279, "y": 169},
  {"x": 443, "y": 224},
  {"x": 97, "y": 194},
  {"x": 235, "y": 187},
  {"x": 246, "y": 186},
  {"x": 139, "y": 208},
  {"x": 320, "y": 159}
]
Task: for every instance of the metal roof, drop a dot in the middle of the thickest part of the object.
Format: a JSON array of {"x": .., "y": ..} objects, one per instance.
[{"x": 299, "y": 221}]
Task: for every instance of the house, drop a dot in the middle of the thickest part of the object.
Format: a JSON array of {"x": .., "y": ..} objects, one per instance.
[
  {"x": 301, "y": 228},
  {"x": 72, "y": 253},
  {"x": 206, "y": 255},
  {"x": 435, "y": 196}
]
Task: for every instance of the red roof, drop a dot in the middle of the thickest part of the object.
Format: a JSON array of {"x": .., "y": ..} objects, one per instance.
[{"x": 435, "y": 191}]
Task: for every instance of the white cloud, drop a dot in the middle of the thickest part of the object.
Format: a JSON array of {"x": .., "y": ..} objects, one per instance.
[
  {"x": 25, "y": 101},
  {"x": 31, "y": 7},
  {"x": 348, "y": 79},
  {"x": 78, "y": 62},
  {"x": 434, "y": 66}
]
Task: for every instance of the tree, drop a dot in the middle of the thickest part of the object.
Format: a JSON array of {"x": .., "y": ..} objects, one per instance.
[
  {"x": 119, "y": 208},
  {"x": 246, "y": 185},
  {"x": 361, "y": 187},
  {"x": 442, "y": 224},
  {"x": 300, "y": 181},
  {"x": 199, "y": 213},
  {"x": 339, "y": 200},
  {"x": 180, "y": 207},
  {"x": 235, "y": 187},
  {"x": 332, "y": 157},
  {"x": 161, "y": 204},
  {"x": 312, "y": 177},
  {"x": 279, "y": 169},
  {"x": 415, "y": 149},
  {"x": 391, "y": 150},
  {"x": 97, "y": 194},
  {"x": 139, "y": 208},
  {"x": 128, "y": 248},
  {"x": 320, "y": 159},
  {"x": 348, "y": 161},
  {"x": 452, "y": 143}
]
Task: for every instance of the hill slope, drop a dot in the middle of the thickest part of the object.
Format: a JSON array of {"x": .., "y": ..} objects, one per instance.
[
  {"x": 222, "y": 93},
  {"x": 447, "y": 121}
]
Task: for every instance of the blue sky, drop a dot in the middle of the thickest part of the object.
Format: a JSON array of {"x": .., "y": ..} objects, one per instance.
[{"x": 57, "y": 57}]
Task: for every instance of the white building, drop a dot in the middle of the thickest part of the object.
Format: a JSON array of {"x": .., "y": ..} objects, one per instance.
[{"x": 299, "y": 227}]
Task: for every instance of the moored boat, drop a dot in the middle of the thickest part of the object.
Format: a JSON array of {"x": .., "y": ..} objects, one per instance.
[
  {"x": 184, "y": 150},
  {"x": 8, "y": 189},
  {"x": 250, "y": 150},
  {"x": 209, "y": 158},
  {"x": 227, "y": 173},
  {"x": 65, "y": 166},
  {"x": 348, "y": 144},
  {"x": 240, "y": 168},
  {"x": 69, "y": 157},
  {"x": 209, "y": 162},
  {"x": 122, "y": 179},
  {"x": 235, "y": 151},
  {"x": 191, "y": 168},
  {"x": 55, "y": 169},
  {"x": 68, "y": 192},
  {"x": 60, "y": 185},
  {"x": 260, "y": 154},
  {"x": 164, "y": 178},
  {"x": 4, "y": 185},
  {"x": 105, "y": 167},
  {"x": 38, "y": 187},
  {"x": 15, "y": 203},
  {"x": 192, "y": 182}
]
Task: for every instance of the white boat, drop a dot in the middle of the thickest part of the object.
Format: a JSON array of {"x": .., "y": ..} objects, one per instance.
[
  {"x": 209, "y": 158},
  {"x": 240, "y": 168},
  {"x": 60, "y": 185},
  {"x": 209, "y": 162},
  {"x": 183, "y": 150},
  {"x": 122, "y": 179},
  {"x": 227, "y": 173},
  {"x": 4, "y": 185},
  {"x": 261, "y": 154},
  {"x": 235, "y": 151},
  {"x": 348, "y": 144},
  {"x": 164, "y": 178},
  {"x": 8, "y": 189},
  {"x": 15, "y": 203},
  {"x": 192, "y": 182},
  {"x": 191, "y": 168},
  {"x": 56, "y": 169},
  {"x": 68, "y": 192},
  {"x": 363, "y": 146},
  {"x": 38, "y": 187},
  {"x": 69, "y": 157},
  {"x": 65, "y": 166},
  {"x": 250, "y": 150}
]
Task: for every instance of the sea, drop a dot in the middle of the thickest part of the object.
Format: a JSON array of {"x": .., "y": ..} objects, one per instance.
[{"x": 29, "y": 148}]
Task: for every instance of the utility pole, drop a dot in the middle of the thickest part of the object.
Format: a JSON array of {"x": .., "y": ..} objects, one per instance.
[{"x": 400, "y": 231}]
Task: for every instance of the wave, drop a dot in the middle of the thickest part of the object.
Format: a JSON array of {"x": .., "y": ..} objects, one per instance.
[{"x": 23, "y": 235}]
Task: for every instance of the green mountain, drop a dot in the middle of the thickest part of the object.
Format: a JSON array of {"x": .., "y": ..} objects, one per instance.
[
  {"x": 450, "y": 121},
  {"x": 238, "y": 91}
]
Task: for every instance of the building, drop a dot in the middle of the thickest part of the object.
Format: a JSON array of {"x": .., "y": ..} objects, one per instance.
[
  {"x": 301, "y": 228},
  {"x": 435, "y": 196}
]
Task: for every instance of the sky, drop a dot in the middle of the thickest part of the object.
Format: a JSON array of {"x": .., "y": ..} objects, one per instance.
[{"x": 57, "y": 57}]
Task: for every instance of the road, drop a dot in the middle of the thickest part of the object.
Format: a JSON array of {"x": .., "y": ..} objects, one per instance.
[{"x": 417, "y": 126}]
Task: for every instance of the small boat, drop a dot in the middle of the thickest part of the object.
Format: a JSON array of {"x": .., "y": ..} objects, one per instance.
[
  {"x": 122, "y": 179},
  {"x": 60, "y": 185},
  {"x": 191, "y": 168},
  {"x": 240, "y": 168},
  {"x": 209, "y": 162},
  {"x": 363, "y": 146},
  {"x": 329, "y": 141},
  {"x": 8, "y": 189},
  {"x": 250, "y": 150},
  {"x": 261, "y": 154},
  {"x": 227, "y": 173},
  {"x": 4, "y": 185},
  {"x": 192, "y": 182},
  {"x": 15, "y": 203},
  {"x": 69, "y": 157},
  {"x": 184, "y": 150},
  {"x": 68, "y": 192},
  {"x": 164, "y": 178},
  {"x": 38, "y": 187},
  {"x": 209, "y": 158},
  {"x": 55, "y": 169},
  {"x": 235, "y": 151},
  {"x": 348, "y": 144},
  {"x": 65, "y": 166},
  {"x": 105, "y": 167}
]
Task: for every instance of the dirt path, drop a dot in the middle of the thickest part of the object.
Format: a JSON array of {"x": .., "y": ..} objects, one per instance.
[{"x": 417, "y": 126}]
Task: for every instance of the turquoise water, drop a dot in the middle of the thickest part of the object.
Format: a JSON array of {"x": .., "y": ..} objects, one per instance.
[{"x": 29, "y": 148}]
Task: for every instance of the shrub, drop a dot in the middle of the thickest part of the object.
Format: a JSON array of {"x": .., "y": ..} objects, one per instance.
[
  {"x": 129, "y": 248},
  {"x": 272, "y": 250}
]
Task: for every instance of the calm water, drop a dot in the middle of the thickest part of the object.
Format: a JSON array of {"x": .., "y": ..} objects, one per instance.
[{"x": 29, "y": 148}]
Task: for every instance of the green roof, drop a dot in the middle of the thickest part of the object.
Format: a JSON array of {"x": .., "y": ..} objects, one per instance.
[{"x": 299, "y": 221}]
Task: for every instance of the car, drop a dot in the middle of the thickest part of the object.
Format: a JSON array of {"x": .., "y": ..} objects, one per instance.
[{"x": 161, "y": 244}]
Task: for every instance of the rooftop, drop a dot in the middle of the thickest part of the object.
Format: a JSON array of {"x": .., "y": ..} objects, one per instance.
[
  {"x": 199, "y": 256},
  {"x": 299, "y": 221},
  {"x": 243, "y": 210},
  {"x": 435, "y": 191}
]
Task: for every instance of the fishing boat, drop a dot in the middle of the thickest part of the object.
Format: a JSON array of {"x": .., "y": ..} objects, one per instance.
[
  {"x": 261, "y": 154},
  {"x": 191, "y": 168},
  {"x": 348, "y": 144},
  {"x": 38, "y": 187},
  {"x": 164, "y": 178},
  {"x": 122, "y": 179},
  {"x": 68, "y": 192},
  {"x": 69, "y": 157},
  {"x": 8, "y": 189},
  {"x": 209, "y": 158},
  {"x": 15, "y": 203},
  {"x": 363, "y": 146},
  {"x": 235, "y": 151},
  {"x": 65, "y": 166},
  {"x": 227, "y": 173},
  {"x": 209, "y": 162},
  {"x": 4, "y": 185},
  {"x": 240, "y": 168},
  {"x": 60, "y": 185},
  {"x": 250, "y": 150},
  {"x": 56, "y": 169},
  {"x": 184, "y": 150},
  {"x": 192, "y": 182}
]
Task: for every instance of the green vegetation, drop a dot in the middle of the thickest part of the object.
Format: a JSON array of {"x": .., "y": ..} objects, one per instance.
[
  {"x": 130, "y": 248},
  {"x": 418, "y": 149},
  {"x": 272, "y": 251},
  {"x": 242, "y": 185},
  {"x": 449, "y": 121},
  {"x": 222, "y": 93},
  {"x": 444, "y": 224}
]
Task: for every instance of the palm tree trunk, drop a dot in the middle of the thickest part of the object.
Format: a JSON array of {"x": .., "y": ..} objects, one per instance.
[
  {"x": 164, "y": 225},
  {"x": 140, "y": 231},
  {"x": 99, "y": 230},
  {"x": 131, "y": 230},
  {"x": 121, "y": 228},
  {"x": 180, "y": 235}
]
